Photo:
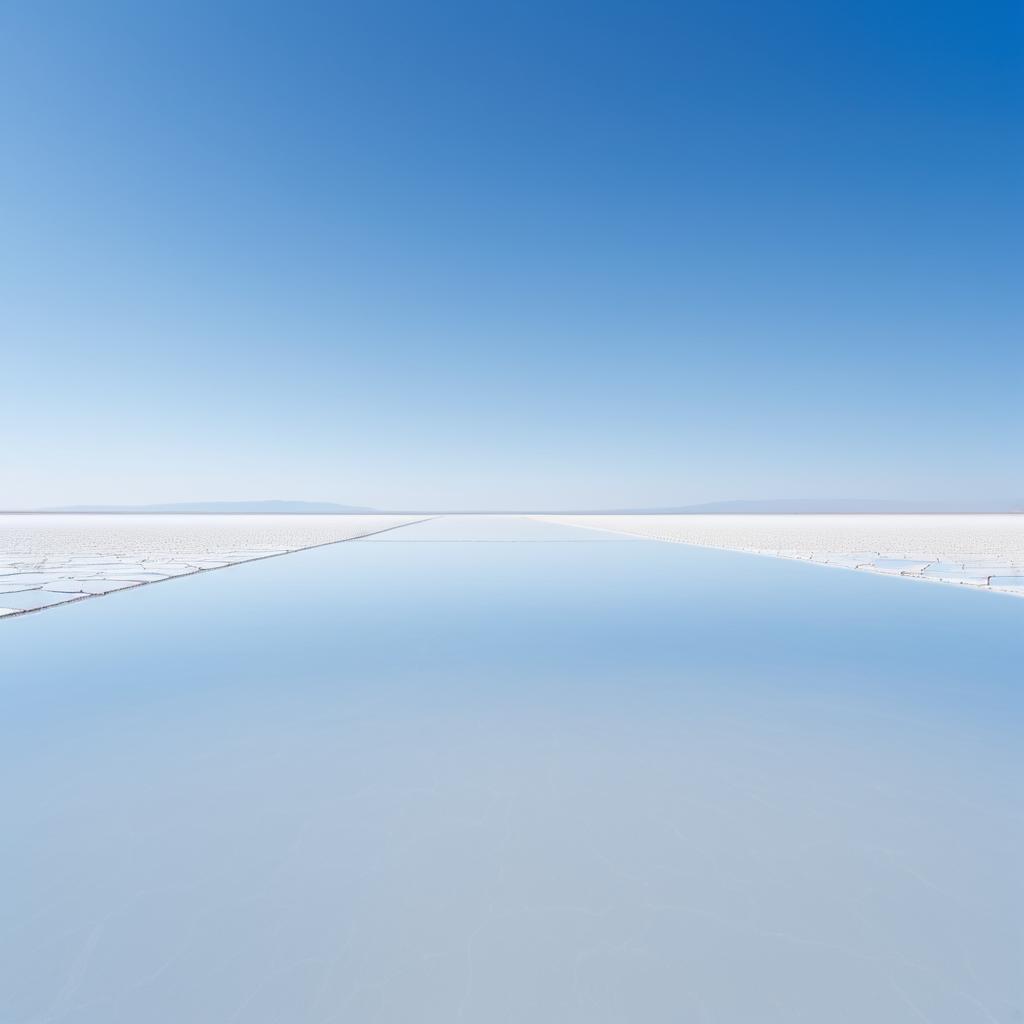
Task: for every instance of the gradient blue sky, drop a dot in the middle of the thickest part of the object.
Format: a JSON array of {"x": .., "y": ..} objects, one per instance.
[{"x": 510, "y": 255}]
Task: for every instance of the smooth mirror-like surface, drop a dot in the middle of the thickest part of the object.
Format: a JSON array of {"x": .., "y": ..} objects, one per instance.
[{"x": 529, "y": 782}]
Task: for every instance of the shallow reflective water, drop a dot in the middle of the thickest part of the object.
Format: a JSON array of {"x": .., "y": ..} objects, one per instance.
[{"x": 512, "y": 781}]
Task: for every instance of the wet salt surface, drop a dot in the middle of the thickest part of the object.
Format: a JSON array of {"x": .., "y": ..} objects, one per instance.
[
  {"x": 513, "y": 782},
  {"x": 52, "y": 559},
  {"x": 982, "y": 551}
]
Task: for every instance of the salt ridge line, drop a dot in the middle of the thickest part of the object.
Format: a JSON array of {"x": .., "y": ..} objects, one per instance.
[{"x": 54, "y": 561}]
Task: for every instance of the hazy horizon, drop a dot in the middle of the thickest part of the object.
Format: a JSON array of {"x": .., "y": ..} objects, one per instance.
[{"x": 737, "y": 506}]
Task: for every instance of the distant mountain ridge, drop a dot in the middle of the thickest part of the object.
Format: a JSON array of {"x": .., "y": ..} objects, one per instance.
[{"x": 225, "y": 507}]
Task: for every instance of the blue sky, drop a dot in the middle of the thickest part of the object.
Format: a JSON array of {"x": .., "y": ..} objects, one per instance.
[{"x": 510, "y": 255}]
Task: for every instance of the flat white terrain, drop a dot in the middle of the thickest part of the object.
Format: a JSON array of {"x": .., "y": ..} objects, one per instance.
[
  {"x": 983, "y": 551},
  {"x": 52, "y": 559}
]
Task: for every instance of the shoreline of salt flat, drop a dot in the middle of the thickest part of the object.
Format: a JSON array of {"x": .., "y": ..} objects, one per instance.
[{"x": 982, "y": 551}]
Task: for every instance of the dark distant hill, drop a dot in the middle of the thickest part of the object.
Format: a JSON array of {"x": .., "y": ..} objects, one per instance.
[
  {"x": 227, "y": 507},
  {"x": 822, "y": 506}
]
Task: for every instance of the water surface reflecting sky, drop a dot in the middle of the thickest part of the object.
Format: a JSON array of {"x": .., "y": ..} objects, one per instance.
[{"x": 573, "y": 780}]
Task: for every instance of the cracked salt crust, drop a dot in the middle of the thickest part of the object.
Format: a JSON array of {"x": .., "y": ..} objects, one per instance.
[
  {"x": 981, "y": 551},
  {"x": 46, "y": 560}
]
